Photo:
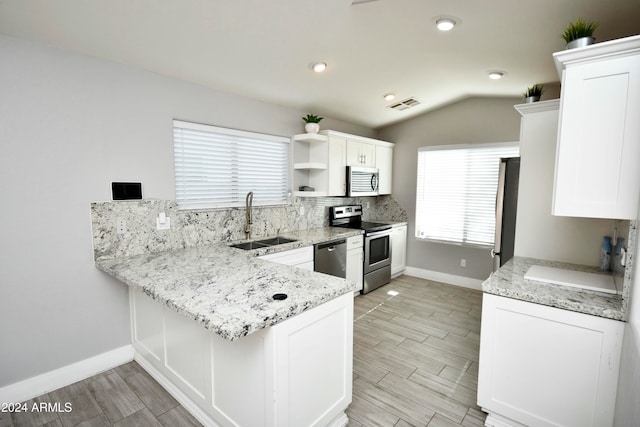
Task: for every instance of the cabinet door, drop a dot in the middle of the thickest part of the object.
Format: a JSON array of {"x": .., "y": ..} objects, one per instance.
[
  {"x": 398, "y": 250},
  {"x": 355, "y": 267},
  {"x": 598, "y": 141},
  {"x": 368, "y": 153},
  {"x": 543, "y": 366},
  {"x": 353, "y": 154},
  {"x": 337, "y": 166},
  {"x": 361, "y": 154},
  {"x": 384, "y": 163}
]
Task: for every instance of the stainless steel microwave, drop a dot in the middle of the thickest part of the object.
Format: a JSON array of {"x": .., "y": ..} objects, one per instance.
[{"x": 362, "y": 181}]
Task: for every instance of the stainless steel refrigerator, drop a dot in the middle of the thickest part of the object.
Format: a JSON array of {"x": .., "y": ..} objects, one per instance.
[{"x": 506, "y": 207}]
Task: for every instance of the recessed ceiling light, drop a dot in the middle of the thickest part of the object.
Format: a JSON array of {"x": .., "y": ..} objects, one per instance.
[
  {"x": 319, "y": 67},
  {"x": 389, "y": 96},
  {"x": 496, "y": 75},
  {"x": 445, "y": 24}
]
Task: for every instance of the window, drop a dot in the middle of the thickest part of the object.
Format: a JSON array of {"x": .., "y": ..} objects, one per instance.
[
  {"x": 456, "y": 192},
  {"x": 216, "y": 167}
]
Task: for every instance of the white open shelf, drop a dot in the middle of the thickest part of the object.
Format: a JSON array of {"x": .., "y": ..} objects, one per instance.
[
  {"x": 310, "y": 137},
  {"x": 310, "y": 165}
]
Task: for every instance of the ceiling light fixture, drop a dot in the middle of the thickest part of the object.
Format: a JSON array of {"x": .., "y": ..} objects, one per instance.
[
  {"x": 389, "y": 96},
  {"x": 319, "y": 67},
  {"x": 495, "y": 75},
  {"x": 445, "y": 24}
]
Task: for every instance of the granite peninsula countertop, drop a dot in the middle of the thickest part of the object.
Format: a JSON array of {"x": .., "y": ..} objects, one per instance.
[
  {"x": 509, "y": 282},
  {"x": 228, "y": 290}
]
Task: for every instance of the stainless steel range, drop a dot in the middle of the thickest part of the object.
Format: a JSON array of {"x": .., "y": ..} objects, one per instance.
[{"x": 377, "y": 244}]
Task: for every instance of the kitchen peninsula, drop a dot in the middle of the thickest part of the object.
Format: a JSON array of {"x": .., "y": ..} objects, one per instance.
[{"x": 241, "y": 340}]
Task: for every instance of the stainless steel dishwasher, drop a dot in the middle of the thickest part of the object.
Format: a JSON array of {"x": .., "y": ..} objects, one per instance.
[{"x": 331, "y": 258}]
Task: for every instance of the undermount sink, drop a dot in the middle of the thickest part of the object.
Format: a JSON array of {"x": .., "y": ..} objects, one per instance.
[
  {"x": 247, "y": 246},
  {"x": 257, "y": 244},
  {"x": 276, "y": 241}
]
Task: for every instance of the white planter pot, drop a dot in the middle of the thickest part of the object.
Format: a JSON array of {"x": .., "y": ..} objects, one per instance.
[
  {"x": 312, "y": 127},
  {"x": 581, "y": 42}
]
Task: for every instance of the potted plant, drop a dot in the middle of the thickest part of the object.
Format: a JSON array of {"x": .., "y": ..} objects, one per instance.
[
  {"x": 312, "y": 123},
  {"x": 579, "y": 33},
  {"x": 533, "y": 93}
]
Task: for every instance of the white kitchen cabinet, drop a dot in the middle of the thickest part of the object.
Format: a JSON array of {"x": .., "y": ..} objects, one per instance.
[
  {"x": 597, "y": 174},
  {"x": 300, "y": 257},
  {"x": 384, "y": 163},
  {"x": 355, "y": 258},
  {"x": 544, "y": 366},
  {"x": 398, "y": 250},
  {"x": 361, "y": 154},
  {"x": 295, "y": 373},
  {"x": 319, "y": 162}
]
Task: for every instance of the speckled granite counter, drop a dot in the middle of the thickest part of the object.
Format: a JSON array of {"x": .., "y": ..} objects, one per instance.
[
  {"x": 229, "y": 291},
  {"x": 509, "y": 282}
]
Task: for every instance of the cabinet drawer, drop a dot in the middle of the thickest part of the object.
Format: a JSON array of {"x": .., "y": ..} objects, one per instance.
[
  {"x": 355, "y": 242},
  {"x": 292, "y": 257}
]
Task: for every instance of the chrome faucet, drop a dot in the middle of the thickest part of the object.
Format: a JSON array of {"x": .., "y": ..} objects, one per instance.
[{"x": 248, "y": 206}]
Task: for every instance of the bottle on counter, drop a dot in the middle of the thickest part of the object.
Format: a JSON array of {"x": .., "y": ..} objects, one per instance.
[
  {"x": 617, "y": 266},
  {"x": 605, "y": 254}
]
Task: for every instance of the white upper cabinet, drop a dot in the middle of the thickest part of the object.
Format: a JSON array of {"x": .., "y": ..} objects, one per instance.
[
  {"x": 384, "y": 163},
  {"x": 320, "y": 161},
  {"x": 361, "y": 154},
  {"x": 597, "y": 171}
]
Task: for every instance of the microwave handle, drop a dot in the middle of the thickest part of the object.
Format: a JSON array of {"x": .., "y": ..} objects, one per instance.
[{"x": 374, "y": 181}]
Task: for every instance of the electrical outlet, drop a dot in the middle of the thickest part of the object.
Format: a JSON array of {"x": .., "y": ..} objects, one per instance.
[
  {"x": 163, "y": 222},
  {"x": 301, "y": 210},
  {"x": 121, "y": 226},
  {"x": 463, "y": 262}
]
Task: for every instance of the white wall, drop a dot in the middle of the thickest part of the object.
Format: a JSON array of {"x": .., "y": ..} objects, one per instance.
[
  {"x": 538, "y": 233},
  {"x": 69, "y": 125},
  {"x": 474, "y": 120}
]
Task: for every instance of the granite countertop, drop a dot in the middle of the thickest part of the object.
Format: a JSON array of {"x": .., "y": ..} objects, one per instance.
[
  {"x": 509, "y": 282},
  {"x": 228, "y": 290}
]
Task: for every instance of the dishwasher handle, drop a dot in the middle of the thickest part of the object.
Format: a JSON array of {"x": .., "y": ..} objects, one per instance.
[{"x": 331, "y": 245}]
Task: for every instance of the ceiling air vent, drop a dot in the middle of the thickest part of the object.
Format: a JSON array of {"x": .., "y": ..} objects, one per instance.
[{"x": 404, "y": 104}]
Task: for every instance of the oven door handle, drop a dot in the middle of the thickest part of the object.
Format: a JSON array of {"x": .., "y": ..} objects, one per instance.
[{"x": 378, "y": 233}]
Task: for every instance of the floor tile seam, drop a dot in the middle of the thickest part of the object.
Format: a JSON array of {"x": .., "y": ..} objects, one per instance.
[
  {"x": 433, "y": 407},
  {"x": 452, "y": 395},
  {"x": 392, "y": 392}
]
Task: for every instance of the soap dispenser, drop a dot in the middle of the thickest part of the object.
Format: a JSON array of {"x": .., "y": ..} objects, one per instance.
[{"x": 605, "y": 254}]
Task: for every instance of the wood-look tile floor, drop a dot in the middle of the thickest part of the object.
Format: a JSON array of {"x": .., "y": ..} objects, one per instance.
[
  {"x": 124, "y": 397},
  {"x": 415, "y": 364},
  {"x": 415, "y": 356}
]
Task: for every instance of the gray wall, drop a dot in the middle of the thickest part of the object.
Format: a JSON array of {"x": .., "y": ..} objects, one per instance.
[
  {"x": 474, "y": 120},
  {"x": 69, "y": 125}
]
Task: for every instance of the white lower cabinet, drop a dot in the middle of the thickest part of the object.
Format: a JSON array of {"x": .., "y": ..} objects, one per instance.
[
  {"x": 355, "y": 258},
  {"x": 544, "y": 366},
  {"x": 398, "y": 250},
  {"x": 295, "y": 373},
  {"x": 301, "y": 257}
]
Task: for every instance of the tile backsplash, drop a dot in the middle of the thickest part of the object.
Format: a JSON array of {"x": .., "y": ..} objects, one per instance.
[{"x": 191, "y": 228}]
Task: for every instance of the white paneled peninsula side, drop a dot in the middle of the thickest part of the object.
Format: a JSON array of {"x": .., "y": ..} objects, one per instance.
[{"x": 243, "y": 341}]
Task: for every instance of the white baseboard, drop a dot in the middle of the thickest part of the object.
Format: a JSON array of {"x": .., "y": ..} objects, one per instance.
[
  {"x": 451, "y": 279},
  {"x": 177, "y": 394},
  {"x": 62, "y": 377}
]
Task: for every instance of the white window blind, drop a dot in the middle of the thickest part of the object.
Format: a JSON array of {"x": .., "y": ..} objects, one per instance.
[
  {"x": 216, "y": 167},
  {"x": 456, "y": 192}
]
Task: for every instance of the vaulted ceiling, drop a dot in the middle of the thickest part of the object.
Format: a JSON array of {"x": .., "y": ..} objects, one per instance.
[{"x": 263, "y": 49}]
